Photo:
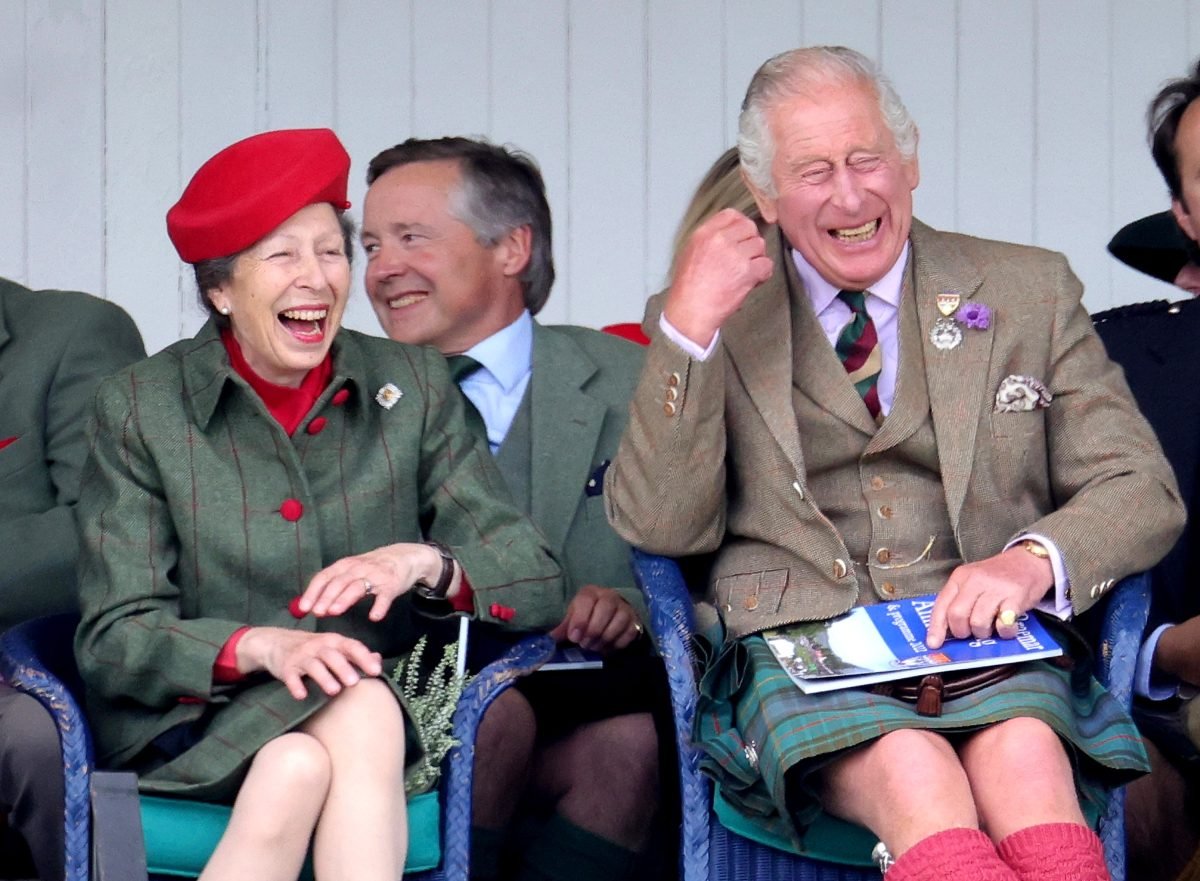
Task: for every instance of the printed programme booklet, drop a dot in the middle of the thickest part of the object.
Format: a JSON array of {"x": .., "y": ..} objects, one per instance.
[{"x": 886, "y": 641}]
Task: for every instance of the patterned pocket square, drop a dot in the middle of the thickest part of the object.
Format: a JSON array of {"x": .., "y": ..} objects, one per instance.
[
  {"x": 595, "y": 483},
  {"x": 1020, "y": 394}
]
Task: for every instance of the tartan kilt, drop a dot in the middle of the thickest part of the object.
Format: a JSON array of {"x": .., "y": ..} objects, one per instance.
[{"x": 754, "y": 726}]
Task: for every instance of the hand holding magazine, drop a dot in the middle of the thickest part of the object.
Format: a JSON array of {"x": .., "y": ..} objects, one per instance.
[{"x": 886, "y": 641}]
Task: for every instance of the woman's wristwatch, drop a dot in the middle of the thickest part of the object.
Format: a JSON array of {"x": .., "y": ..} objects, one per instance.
[{"x": 439, "y": 589}]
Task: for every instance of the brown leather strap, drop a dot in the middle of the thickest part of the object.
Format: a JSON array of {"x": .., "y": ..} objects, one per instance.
[{"x": 931, "y": 691}]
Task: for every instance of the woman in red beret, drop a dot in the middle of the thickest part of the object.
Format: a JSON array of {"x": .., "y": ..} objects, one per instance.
[{"x": 266, "y": 508}]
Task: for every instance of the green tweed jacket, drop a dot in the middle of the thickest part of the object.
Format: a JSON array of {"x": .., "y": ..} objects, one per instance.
[
  {"x": 199, "y": 515},
  {"x": 578, "y": 405},
  {"x": 713, "y": 461},
  {"x": 55, "y": 347}
]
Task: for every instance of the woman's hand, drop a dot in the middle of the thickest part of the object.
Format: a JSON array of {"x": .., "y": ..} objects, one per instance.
[
  {"x": 976, "y": 593},
  {"x": 330, "y": 660},
  {"x": 384, "y": 573}
]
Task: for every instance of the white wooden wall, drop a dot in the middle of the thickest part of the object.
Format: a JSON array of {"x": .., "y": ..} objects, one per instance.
[{"x": 1031, "y": 115}]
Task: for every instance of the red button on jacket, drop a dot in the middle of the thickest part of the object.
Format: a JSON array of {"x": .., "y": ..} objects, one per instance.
[
  {"x": 317, "y": 425},
  {"x": 340, "y": 397},
  {"x": 291, "y": 510}
]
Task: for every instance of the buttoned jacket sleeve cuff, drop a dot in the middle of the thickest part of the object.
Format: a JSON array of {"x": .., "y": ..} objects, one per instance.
[
  {"x": 1060, "y": 605},
  {"x": 670, "y": 332},
  {"x": 1146, "y": 682}
]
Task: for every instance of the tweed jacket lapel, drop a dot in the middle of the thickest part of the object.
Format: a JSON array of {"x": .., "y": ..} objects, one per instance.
[
  {"x": 956, "y": 378},
  {"x": 206, "y": 370},
  {"x": 759, "y": 341},
  {"x": 910, "y": 404},
  {"x": 566, "y": 424},
  {"x": 819, "y": 373}
]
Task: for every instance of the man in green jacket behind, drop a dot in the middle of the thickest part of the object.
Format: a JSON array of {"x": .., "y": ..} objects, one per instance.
[
  {"x": 458, "y": 241},
  {"x": 55, "y": 347}
]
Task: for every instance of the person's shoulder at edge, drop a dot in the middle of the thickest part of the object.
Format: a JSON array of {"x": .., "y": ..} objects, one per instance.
[
  {"x": 53, "y": 309},
  {"x": 1185, "y": 309}
]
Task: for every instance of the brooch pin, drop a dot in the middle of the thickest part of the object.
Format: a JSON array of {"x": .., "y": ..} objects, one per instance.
[
  {"x": 387, "y": 396},
  {"x": 1020, "y": 394},
  {"x": 945, "y": 333}
]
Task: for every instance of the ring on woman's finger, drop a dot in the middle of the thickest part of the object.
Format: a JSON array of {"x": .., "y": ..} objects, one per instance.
[
  {"x": 1006, "y": 617},
  {"x": 368, "y": 587},
  {"x": 639, "y": 628}
]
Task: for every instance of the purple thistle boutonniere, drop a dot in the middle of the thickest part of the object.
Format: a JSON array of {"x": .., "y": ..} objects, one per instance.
[{"x": 975, "y": 315}]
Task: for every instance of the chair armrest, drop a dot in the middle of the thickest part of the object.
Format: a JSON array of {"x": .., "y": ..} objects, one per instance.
[
  {"x": 36, "y": 658},
  {"x": 1121, "y": 633},
  {"x": 118, "y": 842},
  {"x": 520, "y": 660},
  {"x": 672, "y": 623}
]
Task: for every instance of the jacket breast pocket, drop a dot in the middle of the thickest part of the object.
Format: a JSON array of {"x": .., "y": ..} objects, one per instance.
[{"x": 752, "y": 591}]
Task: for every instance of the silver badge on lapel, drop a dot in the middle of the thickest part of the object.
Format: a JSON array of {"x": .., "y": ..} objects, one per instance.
[
  {"x": 387, "y": 396},
  {"x": 948, "y": 302},
  {"x": 945, "y": 334}
]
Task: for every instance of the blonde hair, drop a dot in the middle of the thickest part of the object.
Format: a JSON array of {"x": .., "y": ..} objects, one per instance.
[{"x": 721, "y": 187}]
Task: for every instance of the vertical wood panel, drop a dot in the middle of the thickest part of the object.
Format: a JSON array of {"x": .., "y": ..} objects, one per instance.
[
  {"x": 529, "y": 110},
  {"x": 66, "y": 137},
  {"x": 1073, "y": 164},
  {"x": 301, "y": 36},
  {"x": 142, "y": 136},
  {"x": 606, "y": 246},
  {"x": 13, "y": 168},
  {"x": 220, "y": 101},
  {"x": 995, "y": 122},
  {"x": 920, "y": 57},
  {"x": 450, "y": 50},
  {"x": 373, "y": 99},
  {"x": 686, "y": 124},
  {"x": 852, "y": 23},
  {"x": 1148, "y": 43},
  {"x": 755, "y": 30}
]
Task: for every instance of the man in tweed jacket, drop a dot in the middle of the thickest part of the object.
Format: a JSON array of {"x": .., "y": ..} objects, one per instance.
[
  {"x": 458, "y": 239},
  {"x": 1004, "y": 466}
]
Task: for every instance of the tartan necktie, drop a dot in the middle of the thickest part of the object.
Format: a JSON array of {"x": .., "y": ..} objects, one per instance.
[
  {"x": 858, "y": 348},
  {"x": 462, "y": 366}
]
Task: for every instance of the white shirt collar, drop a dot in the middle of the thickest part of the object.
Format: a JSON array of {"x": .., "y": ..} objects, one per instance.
[
  {"x": 508, "y": 353},
  {"x": 822, "y": 293}
]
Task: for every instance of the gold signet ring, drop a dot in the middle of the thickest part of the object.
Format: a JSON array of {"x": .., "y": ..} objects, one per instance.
[{"x": 1007, "y": 617}]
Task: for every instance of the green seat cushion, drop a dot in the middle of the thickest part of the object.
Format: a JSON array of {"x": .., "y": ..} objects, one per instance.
[
  {"x": 828, "y": 840},
  {"x": 181, "y": 834}
]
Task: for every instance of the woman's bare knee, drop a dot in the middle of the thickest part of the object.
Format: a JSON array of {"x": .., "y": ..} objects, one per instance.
[{"x": 293, "y": 761}]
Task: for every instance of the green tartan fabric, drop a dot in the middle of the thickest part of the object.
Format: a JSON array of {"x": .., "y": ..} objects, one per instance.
[{"x": 749, "y": 707}]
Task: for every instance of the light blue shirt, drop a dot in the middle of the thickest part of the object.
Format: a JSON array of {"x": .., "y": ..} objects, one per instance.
[{"x": 498, "y": 387}]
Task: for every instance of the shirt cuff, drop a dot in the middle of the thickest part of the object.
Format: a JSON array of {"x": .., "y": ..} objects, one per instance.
[
  {"x": 1143, "y": 673},
  {"x": 464, "y": 600},
  {"x": 684, "y": 343},
  {"x": 1060, "y": 606},
  {"x": 225, "y": 668}
]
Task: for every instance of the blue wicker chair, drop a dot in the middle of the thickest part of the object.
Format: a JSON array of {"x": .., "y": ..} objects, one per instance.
[
  {"x": 710, "y": 851},
  {"x": 36, "y": 657}
]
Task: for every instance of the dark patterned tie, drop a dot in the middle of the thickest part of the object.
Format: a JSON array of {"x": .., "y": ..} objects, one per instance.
[
  {"x": 858, "y": 348},
  {"x": 462, "y": 366}
]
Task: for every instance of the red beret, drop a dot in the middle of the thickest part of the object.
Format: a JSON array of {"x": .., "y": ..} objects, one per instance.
[{"x": 251, "y": 187}]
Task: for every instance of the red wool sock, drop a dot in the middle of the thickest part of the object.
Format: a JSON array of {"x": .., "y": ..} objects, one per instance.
[
  {"x": 965, "y": 854},
  {"x": 1055, "y": 852}
]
